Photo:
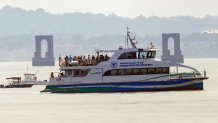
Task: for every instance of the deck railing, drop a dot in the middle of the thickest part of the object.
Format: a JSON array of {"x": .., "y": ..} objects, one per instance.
[
  {"x": 81, "y": 62},
  {"x": 188, "y": 74}
]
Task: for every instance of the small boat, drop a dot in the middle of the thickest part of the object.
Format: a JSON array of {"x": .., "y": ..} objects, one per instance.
[
  {"x": 15, "y": 82},
  {"x": 30, "y": 78}
]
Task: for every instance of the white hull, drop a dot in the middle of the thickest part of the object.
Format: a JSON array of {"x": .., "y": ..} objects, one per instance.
[{"x": 35, "y": 82}]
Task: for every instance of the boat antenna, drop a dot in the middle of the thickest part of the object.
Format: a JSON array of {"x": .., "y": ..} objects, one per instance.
[
  {"x": 127, "y": 33},
  {"x": 125, "y": 42},
  {"x": 130, "y": 39}
]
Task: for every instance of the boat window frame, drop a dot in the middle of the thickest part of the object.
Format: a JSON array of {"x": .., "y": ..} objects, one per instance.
[
  {"x": 75, "y": 72},
  {"x": 151, "y": 54},
  {"x": 128, "y": 55},
  {"x": 140, "y": 54}
]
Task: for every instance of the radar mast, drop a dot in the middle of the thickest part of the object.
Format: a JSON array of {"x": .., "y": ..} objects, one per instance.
[{"x": 131, "y": 39}]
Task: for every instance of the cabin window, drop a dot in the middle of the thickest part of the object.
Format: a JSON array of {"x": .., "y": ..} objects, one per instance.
[
  {"x": 129, "y": 55},
  {"x": 132, "y": 55},
  {"x": 76, "y": 73},
  {"x": 135, "y": 71},
  {"x": 128, "y": 71},
  {"x": 85, "y": 72},
  {"x": 62, "y": 73},
  {"x": 158, "y": 70},
  {"x": 144, "y": 71},
  {"x": 113, "y": 72},
  {"x": 142, "y": 55},
  {"x": 151, "y": 71},
  {"x": 165, "y": 70},
  {"x": 69, "y": 72},
  {"x": 151, "y": 54},
  {"x": 80, "y": 72},
  {"x": 121, "y": 72},
  {"x": 107, "y": 73},
  {"x": 138, "y": 55}
]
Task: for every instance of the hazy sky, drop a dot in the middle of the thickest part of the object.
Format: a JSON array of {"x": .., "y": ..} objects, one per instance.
[{"x": 125, "y": 8}]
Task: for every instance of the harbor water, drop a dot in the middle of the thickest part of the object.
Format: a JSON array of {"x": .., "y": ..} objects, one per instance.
[{"x": 28, "y": 105}]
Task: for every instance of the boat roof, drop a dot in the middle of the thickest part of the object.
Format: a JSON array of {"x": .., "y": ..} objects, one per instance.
[
  {"x": 129, "y": 50},
  {"x": 29, "y": 74}
]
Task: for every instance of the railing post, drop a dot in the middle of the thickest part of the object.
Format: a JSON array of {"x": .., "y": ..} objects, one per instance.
[{"x": 205, "y": 73}]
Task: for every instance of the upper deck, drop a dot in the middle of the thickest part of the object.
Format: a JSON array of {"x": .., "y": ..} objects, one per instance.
[
  {"x": 120, "y": 54},
  {"x": 94, "y": 60}
]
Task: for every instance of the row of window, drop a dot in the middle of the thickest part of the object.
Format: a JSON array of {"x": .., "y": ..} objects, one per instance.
[
  {"x": 137, "y": 71},
  {"x": 138, "y": 55},
  {"x": 119, "y": 72},
  {"x": 77, "y": 73}
]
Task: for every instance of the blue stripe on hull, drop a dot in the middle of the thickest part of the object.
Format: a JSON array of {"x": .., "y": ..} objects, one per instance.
[{"x": 179, "y": 84}]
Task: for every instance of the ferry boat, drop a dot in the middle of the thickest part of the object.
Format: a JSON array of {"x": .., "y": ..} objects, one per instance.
[{"x": 127, "y": 70}]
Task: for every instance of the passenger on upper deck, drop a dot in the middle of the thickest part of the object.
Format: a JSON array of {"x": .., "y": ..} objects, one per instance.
[
  {"x": 66, "y": 60},
  {"x": 106, "y": 57},
  {"x": 70, "y": 59},
  {"x": 101, "y": 58},
  {"x": 89, "y": 60},
  {"x": 97, "y": 59},
  {"x": 60, "y": 60},
  {"x": 88, "y": 56},
  {"x": 93, "y": 57},
  {"x": 74, "y": 58},
  {"x": 52, "y": 75}
]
